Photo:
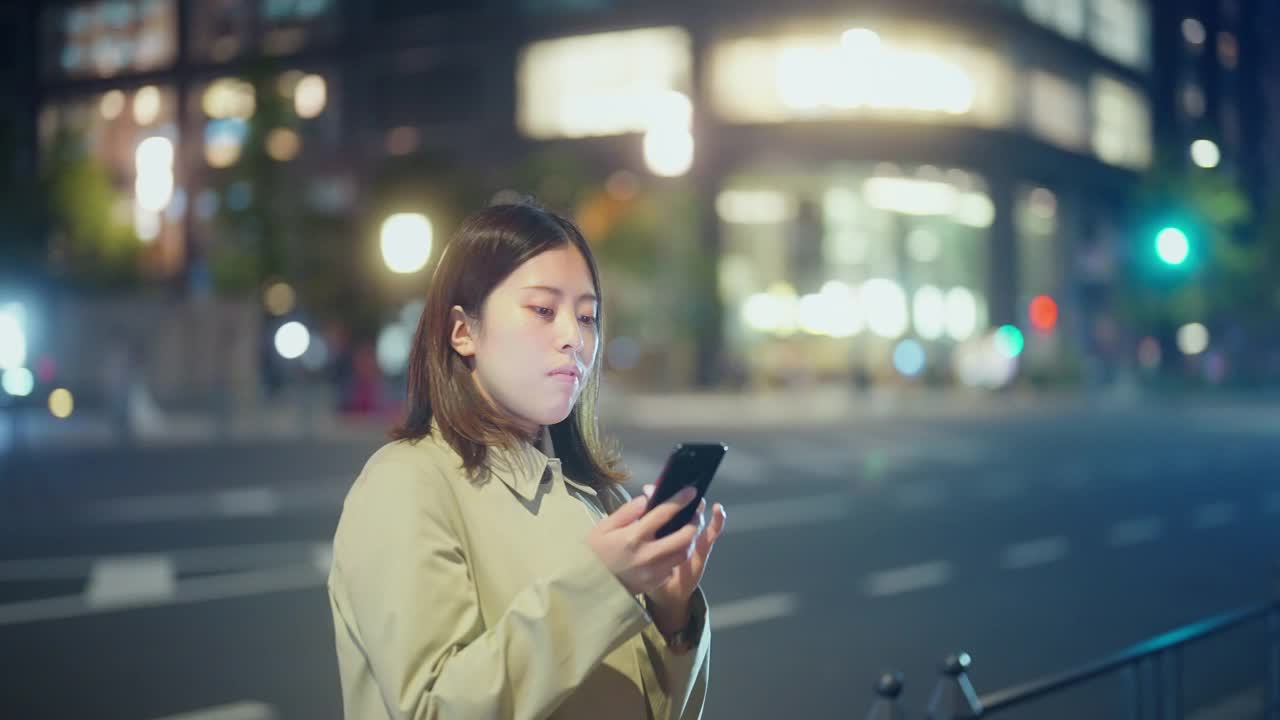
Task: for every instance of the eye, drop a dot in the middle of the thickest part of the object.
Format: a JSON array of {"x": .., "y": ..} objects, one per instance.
[
  {"x": 542, "y": 312},
  {"x": 587, "y": 319}
]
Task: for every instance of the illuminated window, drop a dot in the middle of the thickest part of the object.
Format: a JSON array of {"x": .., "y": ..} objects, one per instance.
[
  {"x": 855, "y": 71},
  {"x": 1036, "y": 223},
  {"x": 1064, "y": 16},
  {"x": 1193, "y": 32},
  {"x": 604, "y": 84},
  {"x": 110, "y": 37},
  {"x": 1057, "y": 110},
  {"x": 1228, "y": 50},
  {"x": 1192, "y": 99},
  {"x": 1121, "y": 123},
  {"x": 1120, "y": 29}
]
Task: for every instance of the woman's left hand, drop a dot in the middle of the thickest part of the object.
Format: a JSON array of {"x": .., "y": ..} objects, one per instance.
[{"x": 671, "y": 599}]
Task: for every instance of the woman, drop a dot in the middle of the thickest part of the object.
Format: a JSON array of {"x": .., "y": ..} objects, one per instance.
[{"x": 488, "y": 563}]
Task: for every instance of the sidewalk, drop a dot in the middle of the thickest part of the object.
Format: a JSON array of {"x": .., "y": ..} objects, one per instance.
[{"x": 817, "y": 407}]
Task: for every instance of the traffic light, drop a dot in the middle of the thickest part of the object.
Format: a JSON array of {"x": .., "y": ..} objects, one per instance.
[
  {"x": 1172, "y": 246},
  {"x": 1043, "y": 313}
]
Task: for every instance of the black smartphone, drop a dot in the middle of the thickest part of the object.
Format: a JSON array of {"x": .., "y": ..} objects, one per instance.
[{"x": 688, "y": 465}]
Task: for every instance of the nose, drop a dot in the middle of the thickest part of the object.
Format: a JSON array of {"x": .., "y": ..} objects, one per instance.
[{"x": 569, "y": 333}]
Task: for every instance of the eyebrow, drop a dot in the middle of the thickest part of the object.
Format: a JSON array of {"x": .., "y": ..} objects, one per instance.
[{"x": 558, "y": 292}]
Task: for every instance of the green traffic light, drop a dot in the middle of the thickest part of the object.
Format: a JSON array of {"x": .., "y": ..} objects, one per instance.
[
  {"x": 1009, "y": 341},
  {"x": 1172, "y": 246}
]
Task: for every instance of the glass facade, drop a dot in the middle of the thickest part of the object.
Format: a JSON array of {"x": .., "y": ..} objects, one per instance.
[
  {"x": 110, "y": 37},
  {"x": 839, "y": 266}
]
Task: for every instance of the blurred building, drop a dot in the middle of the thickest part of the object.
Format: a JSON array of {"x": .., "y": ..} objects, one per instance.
[
  {"x": 1219, "y": 87},
  {"x": 880, "y": 184}
]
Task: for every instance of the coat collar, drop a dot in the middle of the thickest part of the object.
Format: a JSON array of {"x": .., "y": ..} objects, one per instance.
[{"x": 524, "y": 467}]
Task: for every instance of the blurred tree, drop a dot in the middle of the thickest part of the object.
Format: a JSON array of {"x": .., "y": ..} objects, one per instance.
[
  {"x": 1229, "y": 278},
  {"x": 253, "y": 219},
  {"x": 88, "y": 218},
  {"x": 1224, "y": 274}
]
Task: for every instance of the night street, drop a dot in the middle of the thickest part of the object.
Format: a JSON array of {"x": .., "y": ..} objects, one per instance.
[{"x": 176, "y": 579}]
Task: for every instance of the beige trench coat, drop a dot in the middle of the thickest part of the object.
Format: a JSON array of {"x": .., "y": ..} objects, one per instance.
[{"x": 455, "y": 598}]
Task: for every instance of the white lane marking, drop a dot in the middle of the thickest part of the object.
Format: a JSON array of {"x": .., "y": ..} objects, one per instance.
[
  {"x": 742, "y": 468},
  {"x": 1213, "y": 515},
  {"x": 786, "y": 513},
  {"x": 244, "y": 710},
  {"x": 1271, "y": 503},
  {"x": 1034, "y": 552},
  {"x": 122, "y": 581},
  {"x": 198, "y": 559},
  {"x": 752, "y": 610},
  {"x": 322, "y": 557},
  {"x": 252, "y": 501},
  {"x": 247, "y": 502},
  {"x": 193, "y": 590},
  {"x": 1135, "y": 531},
  {"x": 919, "y": 494},
  {"x": 908, "y": 578}
]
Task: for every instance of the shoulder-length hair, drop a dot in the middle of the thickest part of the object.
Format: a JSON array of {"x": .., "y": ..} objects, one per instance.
[{"x": 487, "y": 248}]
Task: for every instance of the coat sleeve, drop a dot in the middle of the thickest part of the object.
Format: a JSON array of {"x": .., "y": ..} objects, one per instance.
[
  {"x": 400, "y": 585},
  {"x": 684, "y": 676}
]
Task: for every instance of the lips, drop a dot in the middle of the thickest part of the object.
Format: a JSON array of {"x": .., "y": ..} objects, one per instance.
[{"x": 566, "y": 374}]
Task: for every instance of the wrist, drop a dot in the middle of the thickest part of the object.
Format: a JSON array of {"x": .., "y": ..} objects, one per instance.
[{"x": 670, "y": 615}]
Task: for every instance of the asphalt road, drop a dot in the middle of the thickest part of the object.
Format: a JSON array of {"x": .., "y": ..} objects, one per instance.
[{"x": 145, "y": 583}]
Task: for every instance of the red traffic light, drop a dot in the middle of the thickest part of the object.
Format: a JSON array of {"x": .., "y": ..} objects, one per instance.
[{"x": 1043, "y": 313}]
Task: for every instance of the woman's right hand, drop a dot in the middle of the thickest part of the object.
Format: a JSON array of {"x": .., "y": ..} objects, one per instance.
[{"x": 626, "y": 542}]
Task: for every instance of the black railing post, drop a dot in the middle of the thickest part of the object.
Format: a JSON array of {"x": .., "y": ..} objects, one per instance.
[
  {"x": 1171, "y": 682},
  {"x": 1133, "y": 678},
  {"x": 887, "y": 706},
  {"x": 953, "y": 698}
]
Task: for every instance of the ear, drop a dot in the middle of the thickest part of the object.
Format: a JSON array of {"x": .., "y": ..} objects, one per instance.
[{"x": 462, "y": 335}]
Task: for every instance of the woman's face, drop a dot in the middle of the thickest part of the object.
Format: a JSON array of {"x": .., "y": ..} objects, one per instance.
[{"x": 536, "y": 341}]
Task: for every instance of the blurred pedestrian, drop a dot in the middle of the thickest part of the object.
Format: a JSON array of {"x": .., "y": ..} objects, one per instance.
[{"x": 488, "y": 562}]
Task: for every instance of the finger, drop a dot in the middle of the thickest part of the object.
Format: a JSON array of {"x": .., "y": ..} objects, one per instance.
[
  {"x": 672, "y": 549},
  {"x": 626, "y": 514},
  {"x": 653, "y": 521},
  {"x": 708, "y": 538},
  {"x": 648, "y": 490}
]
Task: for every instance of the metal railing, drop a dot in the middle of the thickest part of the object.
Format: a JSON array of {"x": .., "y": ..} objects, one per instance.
[{"x": 1153, "y": 669}]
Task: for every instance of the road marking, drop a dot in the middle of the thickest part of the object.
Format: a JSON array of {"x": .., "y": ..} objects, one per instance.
[
  {"x": 1034, "y": 552},
  {"x": 743, "y": 468},
  {"x": 247, "y": 502},
  {"x": 908, "y": 578},
  {"x": 1213, "y": 515},
  {"x": 192, "y": 590},
  {"x": 1135, "y": 532},
  {"x": 252, "y": 501},
  {"x": 123, "y": 581},
  {"x": 246, "y": 710},
  {"x": 786, "y": 513},
  {"x": 752, "y": 610},
  {"x": 198, "y": 559}
]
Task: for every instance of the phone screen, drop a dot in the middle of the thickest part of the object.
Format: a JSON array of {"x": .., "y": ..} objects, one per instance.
[{"x": 690, "y": 464}]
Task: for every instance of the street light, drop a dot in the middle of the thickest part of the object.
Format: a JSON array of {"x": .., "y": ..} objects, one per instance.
[
  {"x": 406, "y": 242},
  {"x": 1172, "y": 246},
  {"x": 1205, "y": 153}
]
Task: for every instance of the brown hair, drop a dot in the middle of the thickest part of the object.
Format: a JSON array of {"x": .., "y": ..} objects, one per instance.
[{"x": 487, "y": 248}]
